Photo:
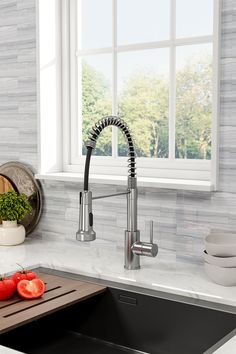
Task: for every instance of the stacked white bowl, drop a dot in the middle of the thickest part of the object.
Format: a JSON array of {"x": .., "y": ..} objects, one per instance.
[{"x": 220, "y": 258}]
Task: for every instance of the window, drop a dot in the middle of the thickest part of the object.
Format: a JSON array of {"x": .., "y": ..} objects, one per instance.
[{"x": 154, "y": 63}]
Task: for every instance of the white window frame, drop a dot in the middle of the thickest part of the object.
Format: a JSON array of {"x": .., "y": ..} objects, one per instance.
[{"x": 67, "y": 70}]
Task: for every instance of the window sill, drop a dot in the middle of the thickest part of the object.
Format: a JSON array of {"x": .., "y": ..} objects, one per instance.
[{"x": 192, "y": 185}]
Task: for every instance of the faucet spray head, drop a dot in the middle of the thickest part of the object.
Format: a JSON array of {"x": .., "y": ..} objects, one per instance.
[{"x": 86, "y": 232}]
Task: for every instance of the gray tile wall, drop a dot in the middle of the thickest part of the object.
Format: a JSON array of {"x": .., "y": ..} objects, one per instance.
[
  {"x": 181, "y": 219},
  {"x": 18, "y": 123}
]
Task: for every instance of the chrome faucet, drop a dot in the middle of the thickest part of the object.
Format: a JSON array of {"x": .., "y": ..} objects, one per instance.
[{"x": 134, "y": 248}]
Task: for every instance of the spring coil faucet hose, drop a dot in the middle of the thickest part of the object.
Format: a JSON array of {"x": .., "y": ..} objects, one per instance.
[{"x": 93, "y": 136}]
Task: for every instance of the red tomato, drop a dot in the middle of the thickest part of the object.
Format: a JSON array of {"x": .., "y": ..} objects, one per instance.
[
  {"x": 31, "y": 289},
  {"x": 7, "y": 288},
  {"x": 23, "y": 274}
]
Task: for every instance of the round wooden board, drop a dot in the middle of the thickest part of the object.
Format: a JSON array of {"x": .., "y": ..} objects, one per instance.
[{"x": 23, "y": 181}]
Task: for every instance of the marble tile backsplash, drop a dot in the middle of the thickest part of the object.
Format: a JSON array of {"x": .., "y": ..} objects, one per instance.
[
  {"x": 18, "y": 115},
  {"x": 181, "y": 219}
]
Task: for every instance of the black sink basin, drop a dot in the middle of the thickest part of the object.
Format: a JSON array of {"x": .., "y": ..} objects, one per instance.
[{"x": 121, "y": 321}]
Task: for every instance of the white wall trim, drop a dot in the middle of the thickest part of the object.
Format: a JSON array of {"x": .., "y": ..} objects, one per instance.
[
  {"x": 216, "y": 95},
  {"x": 49, "y": 54},
  {"x": 38, "y": 87}
]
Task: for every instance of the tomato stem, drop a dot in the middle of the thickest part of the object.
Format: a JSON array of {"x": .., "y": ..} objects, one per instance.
[{"x": 22, "y": 268}]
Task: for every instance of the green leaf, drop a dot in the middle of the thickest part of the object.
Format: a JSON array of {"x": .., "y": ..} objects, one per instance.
[{"x": 14, "y": 206}]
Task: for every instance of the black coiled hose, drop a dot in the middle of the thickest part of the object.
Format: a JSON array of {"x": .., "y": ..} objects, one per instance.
[{"x": 94, "y": 134}]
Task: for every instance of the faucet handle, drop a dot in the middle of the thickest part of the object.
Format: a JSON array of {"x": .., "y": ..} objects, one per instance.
[
  {"x": 153, "y": 246},
  {"x": 148, "y": 249},
  {"x": 151, "y": 231}
]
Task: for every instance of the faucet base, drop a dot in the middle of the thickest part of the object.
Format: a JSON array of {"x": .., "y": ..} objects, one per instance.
[
  {"x": 132, "y": 261},
  {"x": 131, "y": 267}
]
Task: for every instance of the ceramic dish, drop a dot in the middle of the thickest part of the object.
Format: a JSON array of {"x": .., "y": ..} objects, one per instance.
[
  {"x": 220, "y": 275},
  {"x": 221, "y": 244},
  {"x": 225, "y": 262}
]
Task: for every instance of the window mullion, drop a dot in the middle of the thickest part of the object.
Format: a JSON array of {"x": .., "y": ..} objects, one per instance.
[
  {"x": 172, "y": 81},
  {"x": 114, "y": 78}
]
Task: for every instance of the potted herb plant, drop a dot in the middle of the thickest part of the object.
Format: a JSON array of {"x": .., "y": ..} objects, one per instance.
[{"x": 13, "y": 208}]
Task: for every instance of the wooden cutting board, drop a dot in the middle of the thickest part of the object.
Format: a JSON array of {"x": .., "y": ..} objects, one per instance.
[{"x": 60, "y": 293}]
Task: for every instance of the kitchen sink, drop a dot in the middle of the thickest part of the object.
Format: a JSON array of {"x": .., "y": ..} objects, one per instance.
[{"x": 126, "y": 319}]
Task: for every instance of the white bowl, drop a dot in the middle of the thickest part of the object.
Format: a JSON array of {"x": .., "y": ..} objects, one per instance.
[
  {"x": 225, "y": 262},
  {"x": 220, "y": 275},
  {"x": 221, "y": 244}
]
